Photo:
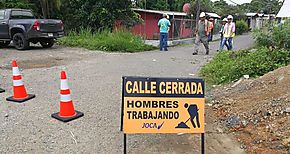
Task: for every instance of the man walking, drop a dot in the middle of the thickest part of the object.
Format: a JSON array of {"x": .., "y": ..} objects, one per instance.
[
  {"x": 164, "y": 25},
  {"x": 210, "y": 29},
  {"x": 229, "y": 32},
  {"x": 225, "y": 20},
  {"x": 201, "y": 34}
]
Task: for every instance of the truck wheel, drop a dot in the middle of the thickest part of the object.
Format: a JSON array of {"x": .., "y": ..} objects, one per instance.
[
  {"x": 4, "y": 44},
  {"x": 47, "y": 43},
  {"x": 20, "y": 42}
]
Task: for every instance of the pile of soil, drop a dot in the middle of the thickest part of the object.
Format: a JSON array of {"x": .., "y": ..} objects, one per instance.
[{"x": 255, "y": 111}]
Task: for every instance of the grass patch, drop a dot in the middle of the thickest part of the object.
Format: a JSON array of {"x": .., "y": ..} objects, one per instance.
[
  {"x": 117, "y": 41},
  {"x": 232, "y": 65},
  {"x": 184, "y": 44}
]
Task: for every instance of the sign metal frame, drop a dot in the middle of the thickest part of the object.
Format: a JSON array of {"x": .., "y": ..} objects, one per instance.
[{"x": 202, "y": 141}]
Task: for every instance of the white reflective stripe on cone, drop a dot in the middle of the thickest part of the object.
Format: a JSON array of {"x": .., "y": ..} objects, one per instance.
[
  {"x": 64, "y": 84},
  {"x": 17, "y": 83},
  {"x": 65, "y": 98},
  {"x": 15, "y": 71}
]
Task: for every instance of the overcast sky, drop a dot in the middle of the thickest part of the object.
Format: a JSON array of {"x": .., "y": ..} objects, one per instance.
[{"x": 236, "y": 1}]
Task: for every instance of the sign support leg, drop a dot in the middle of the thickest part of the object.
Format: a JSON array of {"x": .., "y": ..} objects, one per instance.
[
  {"x": 122, "y": 115},
  {"x": 202, "y": 143},
  {"x": 125, "y": 144},
  {"x": 122, "y": 111}
]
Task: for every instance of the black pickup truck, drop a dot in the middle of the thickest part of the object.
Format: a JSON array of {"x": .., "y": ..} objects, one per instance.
[{"x": 22, "y": 27}]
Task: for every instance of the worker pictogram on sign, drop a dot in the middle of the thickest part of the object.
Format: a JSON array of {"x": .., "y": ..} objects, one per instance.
[{"x": 193, "y": 113}]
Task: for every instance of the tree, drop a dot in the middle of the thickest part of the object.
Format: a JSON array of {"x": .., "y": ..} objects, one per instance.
[
  {"x": 48, "y": 8},
  {"x": 22, "y": 4},
  {"x": 153, "y": 4},
  {"x": 96, "y": 14},
  {"x": 220, "y": 7},
  {"x": 263, "y": 6}
]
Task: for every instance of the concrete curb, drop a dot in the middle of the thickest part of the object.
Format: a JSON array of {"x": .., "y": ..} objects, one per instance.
[{"x": 177, "y": 42}]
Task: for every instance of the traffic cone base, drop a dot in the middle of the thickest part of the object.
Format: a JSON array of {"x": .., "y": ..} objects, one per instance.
[
  {"x": 2, "y": 90},
  {"x": 67, "y": 119},
  {"x": 12, "y": 99}
]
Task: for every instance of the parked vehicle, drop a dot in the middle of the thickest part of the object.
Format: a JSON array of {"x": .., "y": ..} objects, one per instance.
[{"x": 21, "y": 27}]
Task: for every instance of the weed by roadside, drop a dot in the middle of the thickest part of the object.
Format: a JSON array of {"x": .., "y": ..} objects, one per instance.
[
  {"x": 277, "y": 36},
  {"x": 117, "y": 41},
  {"x": 241, "y": 27},
  {"x": 232, "y": 65}
]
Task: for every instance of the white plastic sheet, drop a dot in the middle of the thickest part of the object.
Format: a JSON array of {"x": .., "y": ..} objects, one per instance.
[{"x": 285, "y": 9}]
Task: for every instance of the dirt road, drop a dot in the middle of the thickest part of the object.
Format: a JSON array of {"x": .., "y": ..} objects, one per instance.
[{"x": 95, "y": 82}]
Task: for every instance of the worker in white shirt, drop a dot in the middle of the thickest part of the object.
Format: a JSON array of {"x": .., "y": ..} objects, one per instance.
[{"x": 229, "y": 33}]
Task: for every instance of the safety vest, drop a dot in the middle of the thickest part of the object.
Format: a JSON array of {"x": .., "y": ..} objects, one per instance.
[
  {"x": 206, "y": 26},
  {"x": 229, "y": 30}
]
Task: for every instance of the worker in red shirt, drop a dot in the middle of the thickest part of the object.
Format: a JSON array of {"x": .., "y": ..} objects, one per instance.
[{"x": 210, "y": 29}]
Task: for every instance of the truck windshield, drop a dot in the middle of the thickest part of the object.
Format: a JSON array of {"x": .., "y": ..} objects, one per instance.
[
  {"x": 22, "y": 15},
  {"x": 2, "y": 13}
]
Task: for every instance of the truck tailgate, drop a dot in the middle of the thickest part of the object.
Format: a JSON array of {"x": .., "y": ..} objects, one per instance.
[{"x": 49, "y": 25}]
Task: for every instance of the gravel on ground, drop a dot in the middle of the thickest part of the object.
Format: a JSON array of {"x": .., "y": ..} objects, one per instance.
[{"x": 95, "y": 81}]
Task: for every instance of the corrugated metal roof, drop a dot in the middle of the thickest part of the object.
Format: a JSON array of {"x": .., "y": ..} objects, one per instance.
[
  {"x": 162, "y": 12},
  {"x": 259, "y": 14},
  {"x": 214, "y": 15},
  {"x": 251, "y": 14},
  {"x": 171, "y": 13}
]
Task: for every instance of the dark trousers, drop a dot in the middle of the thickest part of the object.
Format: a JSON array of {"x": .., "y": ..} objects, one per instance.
[
  {"x": 163, "y": 41},
  {"x": 221, "y": 43},
  {"x": 204, "y": 41},
  {"x": 210, "y": 36}
]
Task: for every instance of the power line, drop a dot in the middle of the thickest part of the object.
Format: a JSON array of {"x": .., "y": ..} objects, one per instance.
[
  {"x": 197, "y": 12},
  {"x": 234, "y": 2}
]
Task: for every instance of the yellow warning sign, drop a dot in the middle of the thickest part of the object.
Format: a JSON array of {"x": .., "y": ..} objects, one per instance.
[{"x": 163, "y": 105}]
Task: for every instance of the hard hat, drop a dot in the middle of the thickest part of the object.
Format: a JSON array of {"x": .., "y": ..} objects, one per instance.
[
  {"x": 210, "y": 19},
  {"x": 230, "y": 17},
  {"x": 164, "y": 15},
  {"x": 225, "y": 19},
  {"x": 202, "y": 14}
]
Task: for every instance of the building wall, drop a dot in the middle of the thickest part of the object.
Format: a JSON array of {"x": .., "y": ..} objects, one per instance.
[
  {"x": 186, "y": 28},
  {"x": 150, "y": 30}
]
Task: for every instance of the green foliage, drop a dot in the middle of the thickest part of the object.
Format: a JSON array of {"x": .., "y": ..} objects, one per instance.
[
  {"x": 49, "y": 8},
  {"x": 265, "y": 6},
  {"x": 96, "y": 15},
  {"x": 232, "y": 65},
  {"x": 241, "y": 27},
  {"x": 223, "y": 9},
  {"x": 22, "y": 4},
  {"x": 166, "y": 5},
  {"x": 44, "y": 8},
  {"x": 93, "y": 14},
  {"x": 277, "y": 36},
  {"x": 263, "y": 38},
  {"x": 118, "y": 41}
]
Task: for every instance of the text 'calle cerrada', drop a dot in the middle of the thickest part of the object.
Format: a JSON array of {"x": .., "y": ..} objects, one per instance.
[{"x": 159, "y": 88}]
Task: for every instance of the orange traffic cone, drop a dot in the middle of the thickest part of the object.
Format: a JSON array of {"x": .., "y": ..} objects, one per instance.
[
  {"x": 67, "y": 111},
  {"x": 19, "y": 91}
]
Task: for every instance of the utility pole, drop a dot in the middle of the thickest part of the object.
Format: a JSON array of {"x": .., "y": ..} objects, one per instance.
[
  {"x": 197, "y": 12},
  {"x": 166, "y": 5}
]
